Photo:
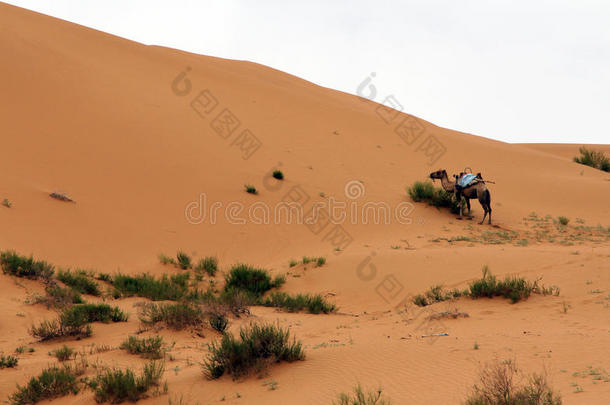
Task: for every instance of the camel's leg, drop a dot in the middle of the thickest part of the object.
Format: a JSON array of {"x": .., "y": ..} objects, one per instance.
[
  {"x": 485, "y": 201},
  {"x": 489, "y": 208},
  {"x": 460, "y": 203},
  {"x": 468, "y": 204}
]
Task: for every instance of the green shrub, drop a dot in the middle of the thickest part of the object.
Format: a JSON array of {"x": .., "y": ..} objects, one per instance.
[
  {"x": 53, "y": 382},
  {"x": 437, "y": 197},
  {"x": 22, "y": 266},
  {"x": 166, "y": 288},
  {"x": 277, "y": 174},
  {"x": 151, "y": 348},
  {"x": 116, "y": 385},
  {"x": 595, "y": 159},
  {"x": 293, "y": 263},
  {"x": 208, "y": 264},
  {"x": 79, "y": 281},
  {"x": 60, "y": 297},
  {"x": 256, "y": 347},
  {"x": 63, "y": 353},
  {"x": 314, "y": 304},
  {"x": 359, "y": 397},
  {"x": 514, "y": 288},
  {"x": 219, "y": 322},
  {"x": 88, "y": 313},
  {"x": 176, "y": 316},
  {"x": 48, "y": 330},
  {"x": 104, "y": 277},
  {"x": 184, "y": 260},
  {"x": 7, "y": 203},
  {"x": 320, "y": 261},
  {"x": 8, "y": 361},
  {"x": 250, "y": 189},
  {"x": 563, "y": 220},
  {"x": 499, "y": 384},
  {"x": 250, "y": 279}
]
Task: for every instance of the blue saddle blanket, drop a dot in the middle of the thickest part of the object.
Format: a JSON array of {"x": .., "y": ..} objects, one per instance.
[{"x": 466, "y": 179}]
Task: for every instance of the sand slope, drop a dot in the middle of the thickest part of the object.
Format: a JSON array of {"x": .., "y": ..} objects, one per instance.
[{"x": 112, "y": 124}]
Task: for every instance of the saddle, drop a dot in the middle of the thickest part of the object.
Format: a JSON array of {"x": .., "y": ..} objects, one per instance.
[{"x": 466, "y": 179}]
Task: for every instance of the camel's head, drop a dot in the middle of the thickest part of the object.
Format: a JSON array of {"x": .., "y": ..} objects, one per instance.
[{"x": 439, "y": 174}]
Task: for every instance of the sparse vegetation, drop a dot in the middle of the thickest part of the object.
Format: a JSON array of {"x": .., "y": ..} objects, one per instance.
[
  {"x": 277, "y": 174},
  {"x": 208, "y": 264},
  {"x": 436, "y": 294},
  {"x": 253, "y": 280},
  {"x": 176, "y": 316},
  {"x": 8, "y": 361},
  {"x": 7, "y": 203},
  {"x": 53, "y": 382},
  {"x": 59, "y": 297},
  {"x": 22, "y": 266},
  {"x": 563, "y": 220},
  {"x": 515, "y": 288},
  {"x": 63, "y": 353},
  {"x": 166, "y": 288},
  {"x": 150, "y": 348},
  {"x": 593, "y": 158},
  {"x": 435, "y": 196},
  {"x": 118, "y": 385},
  {"x": 257, "y": 346},
  {"x": 314, "y": 304},
  {"x": 501, "y": 384},
  {"x": 219, "y": 322},
  {"x": 359, "y": 397},
  {"x": 183, "y": 260},
  {"x": 60, "y": 196},
  {"x": 79, "y": 281},
  {"x": 250, "y": 189}
]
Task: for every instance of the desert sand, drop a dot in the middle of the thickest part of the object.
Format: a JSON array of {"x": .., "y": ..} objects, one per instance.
[{"x": 112, "y": 124}]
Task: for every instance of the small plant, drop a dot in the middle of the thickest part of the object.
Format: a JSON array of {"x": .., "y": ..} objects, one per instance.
[
  {"x": 277, "y": 174},
  {"x": 593, "y": 158},
  {"x": 437, "y": 197},
  {"x": 166, "y": 288},
  {"x": 257, "y": 346},
  {"x": 320, "y": 261},
  {"x": 359, "y": 397},
  {"x": 64, "y": 353},
  {"x": 436, "y": 294},
  {"x": 175, "y": 316},
  {"x": 22, "y": 266},
  {"x": 511, "y": 287},
  {"x": 53, "y": 382},
  {"x": 499, "y": 385},
  {"x": 165, "y": 259},
  {"x": 563, "y": 220},
  {"x": 250, "y": 189},
  {"x": 476, "y": 346},
  {"x": 150, "y": 348},
  {"x": 6, "y": 203},
  {"x": 60, "y": 196},
  {"x": 565, "y": 307},
  {"x": 59, "y": 297},
  {"x": 219, "y": 322},
  {"x": 117, "y": 385},
  {"x": 293, "y": 263},
  {"x": 79, "y": 281},
  {"x": 313, "y": 304},
  {"x": 253, "y": 280},
  {"x": 208, "y": 264},
  {"x": 8, "y": 361},
  {"x": 184, "y": 260}
]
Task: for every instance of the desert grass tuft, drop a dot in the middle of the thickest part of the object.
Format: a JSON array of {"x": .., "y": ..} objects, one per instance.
[
  {"x": 278, "y": 174},
  {"x": 253, "y": 280},
  {"x": 500, "y": 383},
  {"x": 150, "y": 348},
  {"x": 22, "y": 266},
  {"x": 63, "y": 353},
  {"x": 8, "y": 361},
  {"x": 593, "y": 158},
  {"x": 437, "y": 197},
  {"x": 183, "y": 260},
  {"x": 53, "y": 382},
  {"x": 359, "y": 397},
  {"x": 176, "y": 316},
  {"x": 250, "y": 189},
  {"x": 79, "y": 281},
  {"x": 165, "y": 288},
  {"x": 258, "y": 346},
  {"x": 314, "y": 304},
  {"x": 208, "y": 264},
  {"x": 116, "y": 385}
]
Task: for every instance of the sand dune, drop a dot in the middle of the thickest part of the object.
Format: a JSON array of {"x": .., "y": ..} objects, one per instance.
[{"x": 114, "y": 125}]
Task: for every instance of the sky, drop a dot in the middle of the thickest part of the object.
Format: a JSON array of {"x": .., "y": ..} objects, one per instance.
[{"x": 516, "y": 71}]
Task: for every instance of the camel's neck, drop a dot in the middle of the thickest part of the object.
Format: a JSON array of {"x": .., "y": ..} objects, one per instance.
[{"x": 447, "y": 185}]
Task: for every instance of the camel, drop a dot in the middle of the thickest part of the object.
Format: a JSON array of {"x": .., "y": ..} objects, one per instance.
[{"x": 477, "y": 190}]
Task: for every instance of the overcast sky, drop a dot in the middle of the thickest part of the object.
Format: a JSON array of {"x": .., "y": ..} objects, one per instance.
[{"x": 517, "y": 71}]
